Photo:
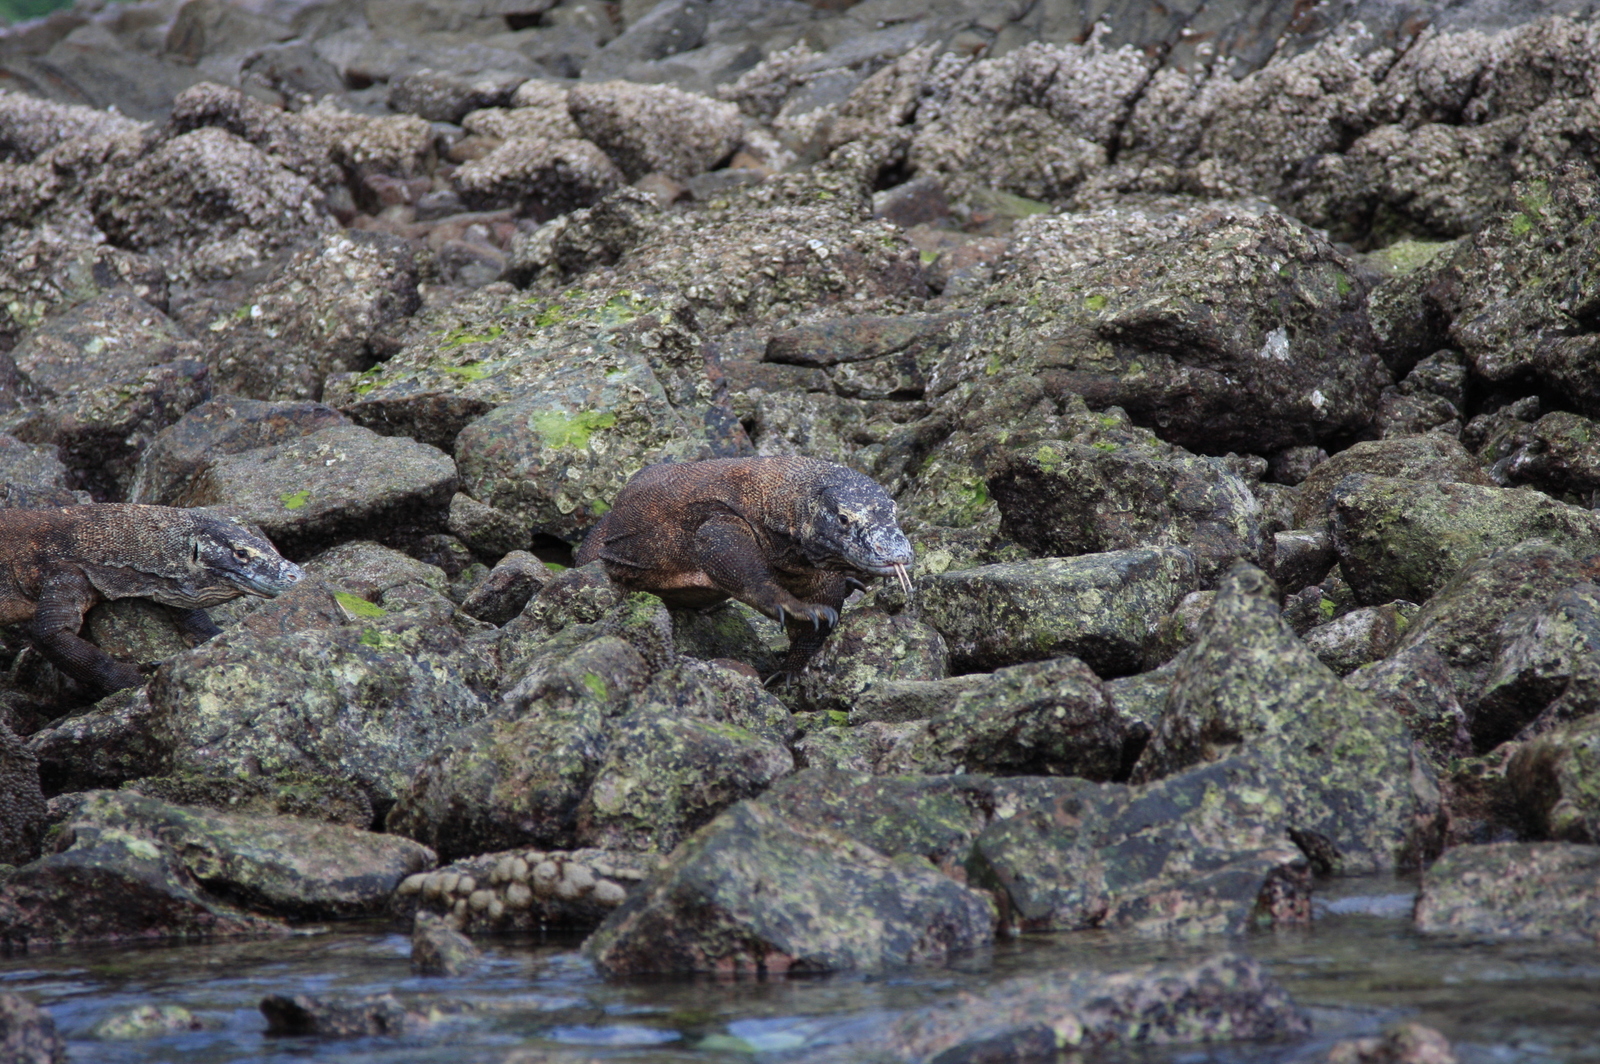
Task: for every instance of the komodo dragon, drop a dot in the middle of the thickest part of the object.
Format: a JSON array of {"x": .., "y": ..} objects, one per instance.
[
  {"x": 57, "y": 563},
  {"x": 789, "y": 536}
]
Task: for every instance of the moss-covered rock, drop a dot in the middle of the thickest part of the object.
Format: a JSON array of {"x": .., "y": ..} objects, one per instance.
[
  {"x": 1404, "y": 539},
  {"x": 1485, "y": 613},
  {"x": 1114, "y": 487},
  {"x": 1098, "y": 607},
  {"x": 104, "y": 378},
  {"x": 1361, "y": 636},
  {"x": 368, "y": 700},
  {"x": 1189, "y": 854},
  {"x": 310, "y": 797},
  {"x": 1047, "y": 718},
  {"x": 517, "y": 780},
  {"x": 698, "y": 739},
  {"x": 308, "y": 492},
  {"x": 1433, "y": 458},
  {"x": 1242, "y": 332},
  {"x": 1547, "y": 890},
  {"x": 871, "y": 647},
  {"x": 753, "y": 891},
  {"x": 1546, "y": 666},
  {"x": 1342, "y": 765}
]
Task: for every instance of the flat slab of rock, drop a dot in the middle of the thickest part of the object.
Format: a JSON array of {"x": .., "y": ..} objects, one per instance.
[
  {"x": 1100, "y": 608},
  {"x": 755, "y": 892},
  {"x": 306, "y": 492},
  {"x": 143, "y": 867},
  {"x": 1514, "y": 890}
]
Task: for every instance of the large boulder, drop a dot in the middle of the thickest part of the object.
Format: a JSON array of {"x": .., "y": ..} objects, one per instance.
[
  {"x": 1343, "y": 764},
  {"x": 1242, "y": 332},
  {"x": 754, "y": 892}
]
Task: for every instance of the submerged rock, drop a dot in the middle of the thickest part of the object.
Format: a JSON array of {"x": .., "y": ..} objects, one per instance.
[
  {"x": 27, "y": 1033},
  {"x": 1224, "y": 999}
]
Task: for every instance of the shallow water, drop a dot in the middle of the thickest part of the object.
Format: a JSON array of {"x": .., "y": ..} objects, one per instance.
[{"x": 1358, "y": 969}]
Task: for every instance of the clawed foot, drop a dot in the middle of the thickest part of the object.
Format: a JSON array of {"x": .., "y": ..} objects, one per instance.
[{"x": 822, "y": 618}]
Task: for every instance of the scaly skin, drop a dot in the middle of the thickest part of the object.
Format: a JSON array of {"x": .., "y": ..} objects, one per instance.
[
  {"x": 56, "y": 564},
  {"x": 789, "y": 536}
]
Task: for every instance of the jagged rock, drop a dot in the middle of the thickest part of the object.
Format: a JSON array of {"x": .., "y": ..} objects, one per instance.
[
  {"x": 1432, "y": 458},
  {"x": 654, "y": 128},
  {"x": 769, "y": 895},
  {"x": 180, "y": 455},
  {"x": 207, "y": 204},
  {"x": 1546, "y": 666},
  {"x": 1342, "y": 762},
  {"x": 325, "y": 311},
  {"x": 870, "y": 647},
  {"x": 1119, "y": 488},
  {"x": 538, "y": 177},
  {"x": 1559, "y": 454},
  {"x": 1048, "y": 718},
  {"x": 337, "y": 801},
  {"x": 1209, "y": 840},
  {"x": 312, "y": 490},
  {"x": 506, "y": 589},
  {"x": 1128, "y": 331},
  {"x": 366, "y": 700},
  {"x": 1361, "y": 636}
]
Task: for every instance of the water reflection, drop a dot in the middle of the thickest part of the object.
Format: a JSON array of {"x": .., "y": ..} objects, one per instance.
[{"x": 535, "y": 999}]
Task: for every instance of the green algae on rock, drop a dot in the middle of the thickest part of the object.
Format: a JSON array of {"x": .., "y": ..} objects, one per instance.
[
  {"x": 770, "y": 895},
  {"x": 1343, "y": 764}
]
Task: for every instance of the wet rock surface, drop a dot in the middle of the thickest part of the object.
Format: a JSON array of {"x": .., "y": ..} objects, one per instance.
[{"x": 1124, "y": 318}]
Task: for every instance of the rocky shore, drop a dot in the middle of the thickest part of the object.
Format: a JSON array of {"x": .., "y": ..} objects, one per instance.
[{"x": 1237, "y": 377}]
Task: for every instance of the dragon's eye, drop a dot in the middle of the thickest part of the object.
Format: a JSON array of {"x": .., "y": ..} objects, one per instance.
[
  {"x": 844, "y": 520},
  {"x": 241, "y": 553}
]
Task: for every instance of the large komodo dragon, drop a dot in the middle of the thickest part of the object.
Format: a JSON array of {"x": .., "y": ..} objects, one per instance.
[
  {"x": 57, "y": 563},
  {"x": 789, "y": 536}
]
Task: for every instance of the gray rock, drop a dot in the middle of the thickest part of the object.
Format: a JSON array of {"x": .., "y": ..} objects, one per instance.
[
  {"x": 1342, "y": 762},
  {"x": 438, "y": 950},
  {"x": 1404, "y": 539},
  {"x": 1361, "y": 636},
  {"x": 108, "y": 375},
  {"x": 1555, "y": 779},
  {"x": 1097, "y": 607},
  {"x": 206, "y": 204},
  {"x": 1048, "y": 718},
  {"x": 176, "y": 459},
  {"x": 310, "y": 491},
  {"x": 655, "y": 128},
  {"x": 27, "y": 1033},
  {"x": 1432, "y": 458},
  {"x": 442, "y": 97},
  {"x": 506, "y": 589},
  {"x": 1546, "y": 666},
  {"x": 1545, "y": 890},
  {"x": 537, "y": 177},
  {"x": 769, "y": 895},
  {"x": 1221, "y": 999}
]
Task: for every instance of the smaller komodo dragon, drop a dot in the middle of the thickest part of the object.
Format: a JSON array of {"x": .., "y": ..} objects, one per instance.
[
  {"x": 789, "y": 536},
  {"x": 57, "y": 563}
]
